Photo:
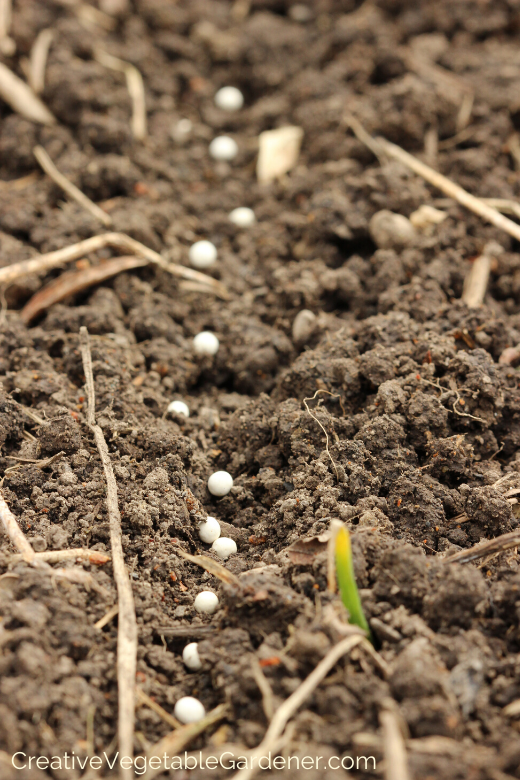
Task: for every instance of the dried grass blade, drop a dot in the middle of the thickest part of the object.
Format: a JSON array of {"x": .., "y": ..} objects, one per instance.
[
  {"x": 177, "y": 740},
  {"x": 73, "y": 282},
  {"x": 211, "y": 566}
]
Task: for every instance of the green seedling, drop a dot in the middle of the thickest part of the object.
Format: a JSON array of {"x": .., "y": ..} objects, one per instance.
[{"x": 347, "y": 581}]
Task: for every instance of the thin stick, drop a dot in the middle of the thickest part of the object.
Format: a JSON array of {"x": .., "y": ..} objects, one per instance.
[
  {"x": 173, "y": 743},
  {"x": 107, "y": 617},
  {"x": 55, "y": 556},
  {"x": 121, "y": 241},
  {"x": 38, "y": 60},
  {"x": 449, "y": 188},
  {"x": 264, "y": 686},
  {"x": 70, "y": 188},
  {"x": 127, "y": 625},
  {"x": 394, "y": 748},
  {"x": 292, "y": 704},
  {"x": 144, "y": 700},
  {"x": 497, "y": 545},
  {"x": 22, "y": 99},
  {"x": 476, "y": 282},
  {"x": 14, "y": 532},
  {"x": 135, "y": 86}
]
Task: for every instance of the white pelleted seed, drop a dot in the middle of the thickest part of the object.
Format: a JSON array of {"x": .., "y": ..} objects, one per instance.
[
  {"x": 189, "y": 710},
  {"x": 206, "y": 343},
  {"x": 242, "y": 217},
  {"x": 203, "y": 254},
  {"x": 223, "y": 148},
  {"x": 206, "y": 601},
  {"x": 191, "y": 658},
  {"x": 210, "y": 530},
  {"x": 220, "y": 483},
  {"x": 229, "y": 99},
  {"x": 178, "y": 407},
  {"x": 224, "y": 547}
]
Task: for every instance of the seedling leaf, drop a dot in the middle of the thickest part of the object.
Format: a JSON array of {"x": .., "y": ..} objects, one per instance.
[{"x": 347, "y": 580}]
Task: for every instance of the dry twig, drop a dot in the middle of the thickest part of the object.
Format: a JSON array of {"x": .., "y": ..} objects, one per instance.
[
  {"x": 489, "y": 547},
  {"x": 134, "y": 83},
  {"x": 55, "y": 556},
  {"x": 127, "y": 625},
  {"x": 107, "y": 617},
  {"x": 38, "y": 60},
  {"x": 72, "y": 282},
  {"x": 264, "y": 687},
  {"x": 22, "y": 99},
  {"x": 211, "y": 566},
  {"x": 394, "y": 748},
  {"x": 449, "y": 188},
  {"x": 69, "y": 188},
  {"x": 144, "y": 700},
  {"x": 476, "y": 282},
  {"x": 14, "y": 532},
  {"x": 173, "y": 743},
  {"x": 121, "y": 241},
  {"x": 292, "y": 704}
]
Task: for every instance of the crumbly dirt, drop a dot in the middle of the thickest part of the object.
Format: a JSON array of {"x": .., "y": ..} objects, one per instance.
[{"x": 422, "y": 422}]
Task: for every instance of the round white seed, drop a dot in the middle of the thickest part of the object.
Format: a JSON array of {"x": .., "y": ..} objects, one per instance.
[
  {"x": 242, "y": 217},
  {"x": 224, "y": 547},
  {"x": 210, "y": 530},
  {"x": 202, "y": 254},
  {"x": 178, "y": 407},
  {"x": 229, "y": 99},
  {"x": 189, "y": 710},
  {"x": 223, "y": 148},
  {"x": 206, "y": 343},
  {"x": 220, "y": 483},
  {"x": 191, "y": 658},
  {"x": 206, "y": 601}
]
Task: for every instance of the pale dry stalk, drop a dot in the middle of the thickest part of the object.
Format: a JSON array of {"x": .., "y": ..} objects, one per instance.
[
  {"x": 293, "y": 703},
  {"x": 38, "y": 60},
  {"x": 59, "y": 257},
  {"x": 135, "y": 86},
  {"x": 69, "y": 188},
  {"x": 17, "y": 94},
  {"x": 127, "y": 625}
]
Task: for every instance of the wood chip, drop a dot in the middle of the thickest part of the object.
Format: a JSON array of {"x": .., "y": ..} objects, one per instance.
[
  {"x": 213, "y": 567},
  {"x": 278, "y": 152}
]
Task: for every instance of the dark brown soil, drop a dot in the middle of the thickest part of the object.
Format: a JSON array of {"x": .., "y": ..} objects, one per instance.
[{"x": 423, "y": 422}]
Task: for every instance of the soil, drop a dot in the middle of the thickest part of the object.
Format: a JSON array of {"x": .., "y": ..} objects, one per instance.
[{"x": 422, "y": 422}]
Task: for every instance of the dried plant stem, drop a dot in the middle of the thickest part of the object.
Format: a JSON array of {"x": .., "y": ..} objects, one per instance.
[
  {"x": 22, "y": 99},
  {"x": 476, "y": 282},
  {"x": 127, "y": 625},
  {"x": 69, "y": 188},
  {"x": 173, "y": 743},
  {"x": 107, "y": 617},
  {"x": 144, "y": 700},
  {"x": 264, "y": 687},
  {"x": 38, "y": 60},
  {"x": 449, "y": 188},
  {"x": 489, "y": 547},
  {"x": 292, "y": 704},
  {"x": 135, "y": 86},
  {"x": 46, "y": 262},
  {"x": 394, "y": 748},
  {"x": 55, "y": 556},
  {"x": 14, "y": 532}
]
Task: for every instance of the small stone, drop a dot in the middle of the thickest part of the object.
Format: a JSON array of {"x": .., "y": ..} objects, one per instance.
[
  {"x": 278, "y": 152},
  {"x": 303, "y": 326}
]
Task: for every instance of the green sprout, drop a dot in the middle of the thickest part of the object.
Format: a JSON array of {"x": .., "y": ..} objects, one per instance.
[{"x": 347, "y": 581}]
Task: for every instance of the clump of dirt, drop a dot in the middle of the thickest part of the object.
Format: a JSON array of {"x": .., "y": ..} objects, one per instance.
[{"x": 423, "y": 420}]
